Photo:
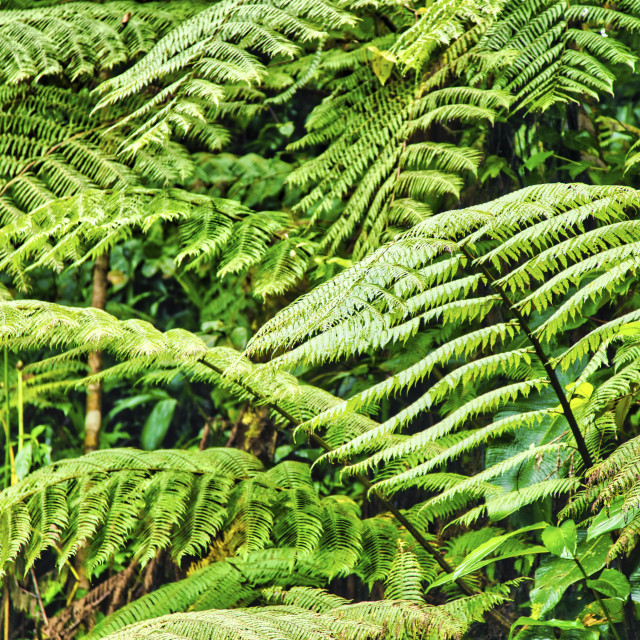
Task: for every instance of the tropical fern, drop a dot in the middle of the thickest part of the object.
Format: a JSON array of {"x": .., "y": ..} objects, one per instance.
[
  {"x": 385, "y": 158},
  {"x": 532, "y": 254},
  {"x": 99, "y": 500},
  {"x": 210, "y": 63},
  {"x": 562, "y": 51},
  {"x": 374, "y": 157},
  {"x": 71, "y": 231},
  {"x": 233, "y": 582},
  {"x": 79, "y": 39},
  {"x": 179, "y": 501},
  {"x": 51, "y": 147},
  {"x": 352, "y": 621},
  {"x": 143, "y": 353}
]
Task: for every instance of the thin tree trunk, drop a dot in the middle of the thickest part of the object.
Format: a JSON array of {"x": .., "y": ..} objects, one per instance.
[{"x": 93, "y": 419}]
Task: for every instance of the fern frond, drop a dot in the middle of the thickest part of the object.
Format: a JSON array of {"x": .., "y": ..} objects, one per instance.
[
  {"x": 531, "y": 250},
  {"x": 369, "y": 128},
  {"x": 273, "y": 623},
  {"x": 99, "y": 499},
  {"x": 81, "y": 39},
  {"x": 73, "y": 230},
  {"x": 560, "y": 52},
  {"x": 216, "y": 45},
  {"x": 405, "y": 579},
  {"x": 220, "y": 585}
]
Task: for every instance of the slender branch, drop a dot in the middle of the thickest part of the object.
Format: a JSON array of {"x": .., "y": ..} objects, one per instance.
[
  {"x": 550, "y": 371},
  {"x": 19, "y": 368},
  {"x": 7, "y": 415},
  {"x": 601, "y": 602},
  {"x": 35, "y": 585},
  {"x": 420, "y": 539},
  {"x": 6, "y": 610}
]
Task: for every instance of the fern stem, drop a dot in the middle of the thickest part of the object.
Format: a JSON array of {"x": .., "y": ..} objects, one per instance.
[
  {"x": 7, "y": 409},
  {"x": 600, "y": 601},
  {"x": 550, "y": 371},
  {"x": 19, "y": 368},
  {"x": 37, "y": 589},
  {"x": 6, "y": 610},
  {"x": 93, "y": 414},
  {"x": 400, "y": 517}
]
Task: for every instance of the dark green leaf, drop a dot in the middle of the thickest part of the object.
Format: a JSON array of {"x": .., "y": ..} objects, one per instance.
[{"x": 157, "y": 424}]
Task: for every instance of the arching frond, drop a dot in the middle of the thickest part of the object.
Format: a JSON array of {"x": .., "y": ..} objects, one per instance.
[
  {"x": 77, "y": 40},
  {"x": 80, "y": 228},
  {"x": 530, "y": 251},
  {"x": 205, "y": 60},
  {"x": 98, "y": 500}
]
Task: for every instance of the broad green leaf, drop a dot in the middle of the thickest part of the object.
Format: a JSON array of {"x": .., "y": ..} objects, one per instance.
[
  {"x": 562, "y": 540},
  {"x": 157, "y": 424},
  {"x": 593, "y": 615},
  {"x": 449, "y": 577},
  {"x": 607, "y": 520},
  {"x": 23, "y": 461},
  {"x": 382, "y": 63},
  {"x": 555, "y": 574},
  {"x": 469, "y": 563},
  {"x": 611, "y": 583},
  {"x": 622, "y": 409},
  {"x": 475, "y": 559},
  {"x": 533, "y": 622},
  {"x": 537, "y": 159}
]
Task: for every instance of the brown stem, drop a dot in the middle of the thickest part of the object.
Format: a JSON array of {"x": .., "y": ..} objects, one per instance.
[
  {"x": 35, "y": 586},
  {"x": 550, "y": 371},
  {"x": 6, "y": 610},
  {"x": 419, "y": 538},
  {"x": 93, "y": 419}
]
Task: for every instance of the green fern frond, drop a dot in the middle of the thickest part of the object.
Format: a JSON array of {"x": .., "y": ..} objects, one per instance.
[
  {"x": 561, "y": 54},
  {"x": 531, "y": 251},
  {"x": 405, "y": 579},
  {"x": 99, "y": 500},
  {"x": 369, "y": 129},
  {"x": 441, "y": 24},
  {"x": 208, "y": 53},
  {"x": 226, "y": 584},
  {"x": 273, "y": 623},
  {"x": 81, "y": 39},
  {"x": 73, "y": 230}
]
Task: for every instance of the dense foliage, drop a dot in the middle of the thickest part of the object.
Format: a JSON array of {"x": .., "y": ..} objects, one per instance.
[{"x": 320, "y": 319}]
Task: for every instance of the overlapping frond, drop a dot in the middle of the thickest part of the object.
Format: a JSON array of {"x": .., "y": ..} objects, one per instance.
[
  {"x": 208, "y": 64},
  {"x": 70, "y": 231},
  {"x": 561, "y": 51},
  {"x": 374, "y": 158},
  {"x": 51, "y": 147},
  {"x": 290, "y": 622},
  {"x": 142, "y": 352},
  {"x": 81, "y": 38},
  {"x": 230, "y": 583},
  {"x": 544, "y": 255},
  {"x": 180, "y": 501},
  {"x": 108, "y": 498}
]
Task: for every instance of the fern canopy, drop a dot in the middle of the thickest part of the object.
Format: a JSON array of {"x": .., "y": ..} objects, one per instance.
[{"x": 319, "y": 319}]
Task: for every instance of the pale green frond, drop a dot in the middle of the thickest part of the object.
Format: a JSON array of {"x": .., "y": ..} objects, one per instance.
[
  {"x": 405, "y": 577},
  {"x": 80, "y": 39},
  {"x": 98, "y": 500}
]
